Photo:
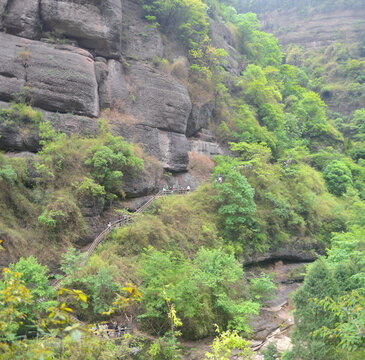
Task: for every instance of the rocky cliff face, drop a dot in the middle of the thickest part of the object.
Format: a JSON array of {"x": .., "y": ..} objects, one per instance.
[
  {"x": 314, "y": 29},
  {"x": 77, "y": 59}
]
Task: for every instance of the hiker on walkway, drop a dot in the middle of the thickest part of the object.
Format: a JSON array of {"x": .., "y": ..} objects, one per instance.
[
  {"x": 109, "y": 225},
  {"x": 188, "y": 189}
]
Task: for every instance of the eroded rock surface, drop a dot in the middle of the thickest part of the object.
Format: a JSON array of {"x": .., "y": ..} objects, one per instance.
[
  {"x": 199, "y": 117},
  {"x": 22, "y": 18},
  {"x": 314, "y": 30},
  {"x": 154, "y": 99},
  {"x": 95, "y": 24},
  {"x": 55, "y": 79},
  {"x": 73, "y": 84},
  {"x": 222, "y": 37},
  {"x": 170, "y": 148},
  {"x": 139, "y": 40}
]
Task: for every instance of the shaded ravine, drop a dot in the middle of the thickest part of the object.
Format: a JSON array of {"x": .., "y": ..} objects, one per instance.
[{"x": 274, "y": 323}]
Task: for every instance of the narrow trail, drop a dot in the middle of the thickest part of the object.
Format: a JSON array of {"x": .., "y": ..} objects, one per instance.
[
  {"x": 92, "y": 247},
  {"x": 113, "y": 225}
]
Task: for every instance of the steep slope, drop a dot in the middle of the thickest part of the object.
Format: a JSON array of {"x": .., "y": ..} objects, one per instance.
[{"x": 48, "y": 56}]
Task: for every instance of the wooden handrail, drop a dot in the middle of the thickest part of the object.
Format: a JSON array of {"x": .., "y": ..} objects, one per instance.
[{"x": 92, "y": 247}]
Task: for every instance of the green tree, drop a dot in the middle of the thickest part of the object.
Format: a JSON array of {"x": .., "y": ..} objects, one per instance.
[
  {"x": 234, "y": 197},
  {"x": 8, "y": 174},
  {"x": 189, "y": 17},
  {"x": 225, "y": 342},
  {"x": 310, "y": 316},
  {"x": 207, "y": 290},
  {"x": 338, "y": 177},
  {"x": 329, "y": 313},
  {"x": 102, "y": 288},
  {"x": 108, "y": 161},
  {"x": 357, "y": 125},
  {"x": 34, "y": 276}
]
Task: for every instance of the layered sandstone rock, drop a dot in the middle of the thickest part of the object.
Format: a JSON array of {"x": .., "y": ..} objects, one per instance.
[
  {"x": 95, "y": 24},
  {"x": 73, "y": 84},
  {"x": 55, "y": 79}
]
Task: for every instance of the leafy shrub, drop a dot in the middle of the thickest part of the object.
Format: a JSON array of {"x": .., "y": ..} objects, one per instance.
[
  {"x": 108, "y": 160},
  {"x": 234, "y": 198},
  {"x": 47, "y": 218},
  {"x": 338, "y": 177},
  {"x": 8, "y": 174},
  {"x": 187, "y": 16},
  {"x": 206, "y": 290}
]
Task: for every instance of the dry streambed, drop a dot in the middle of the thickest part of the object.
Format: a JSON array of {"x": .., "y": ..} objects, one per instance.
[{"x": 275, "y": 321}]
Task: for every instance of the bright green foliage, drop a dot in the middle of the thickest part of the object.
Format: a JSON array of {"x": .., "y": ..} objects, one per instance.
[
  {"x": 225, "y": 342},
  {"x": 72, "y": 262},
  {"x": 167, "y": 347},
  {"x": 204, "y": 291},
  {"x": 58, "y": 337},
  {"x": 35, "y": 277},
  {"x": 270, "y": 352},
  {"x": 234, "y": 198},
  {"x": 258, "y": 46},
  {"x": 319, "y": 283},
  {"x": 349, "y": 311},
  {"x": 13, "y": 296},
  {"x": 20, "y": 114},
  {"x": 48, "y": 218},
  {"x": 338, "y": 177},
  {"x": 8, "y": 174},
  {"x": 220, "y": 273},
  {"x": 257, "y": 88},
  {"x": 291, "y": 82},
  {"x": 357, "y": 125},
  {"x": 90, "y": 189},
  {"x": 162, "y": 272},
  {"x": 262, "y": 287},
  {"x": 329, "y": 312},
  {"x": 188, "y": 16},
  {"x": 311, "y": 111},
  {"x": 163, "y": 349},
  {"x": 107, "y": 162},
  {"x": 207, "y": 59},
  {"x": 102, "y": 288}
]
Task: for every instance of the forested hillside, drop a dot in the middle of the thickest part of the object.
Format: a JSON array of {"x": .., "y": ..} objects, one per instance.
[{"x": 256, "y": 151}]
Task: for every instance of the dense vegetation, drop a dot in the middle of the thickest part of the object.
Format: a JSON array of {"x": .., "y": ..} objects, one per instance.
[{"x": 295, "y": 177}]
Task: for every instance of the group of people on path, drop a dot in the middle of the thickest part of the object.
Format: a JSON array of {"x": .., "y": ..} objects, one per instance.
[
  {"x": 218, "y": 179},
  {"x": 112, "y": 329},
  {"x": 121, "y": 218},
  {"x": 175, "y": 190},
  {"x": 166, "y": 191}
]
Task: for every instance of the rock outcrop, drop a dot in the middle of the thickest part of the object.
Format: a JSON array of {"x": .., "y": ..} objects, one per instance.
[
  {"x": 222, "y": 37},
  {"x": 156, "y": 100},
  {"x": 22, "y": 18},
  {"x": 76, "y": 60},
  {"x": 56, "y": 78},
  {"x": 139, "y": 40},
  {"x": 95, "y": 24},
  {"x": 169, "y": 147},
  {"x": 199, "y": 117},
  {"x": 314, "y": 30}
]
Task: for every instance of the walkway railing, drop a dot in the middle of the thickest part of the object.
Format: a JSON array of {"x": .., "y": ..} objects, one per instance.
[
  {"x": 121, "y": 222},
  {"x": 118, "y": 223}
]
